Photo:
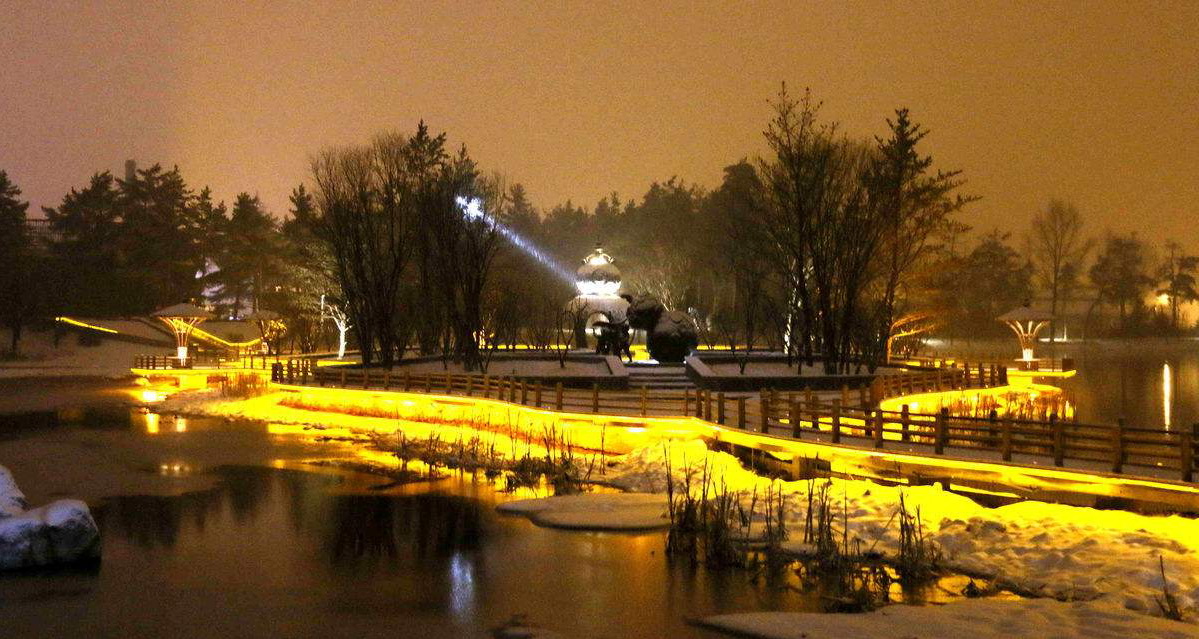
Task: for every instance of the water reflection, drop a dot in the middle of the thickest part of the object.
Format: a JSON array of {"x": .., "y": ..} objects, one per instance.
[
  {"x": 1147, "y": 383},
  {"x": 1167, "y": 395},
  {"x": 434, "y": 552}
]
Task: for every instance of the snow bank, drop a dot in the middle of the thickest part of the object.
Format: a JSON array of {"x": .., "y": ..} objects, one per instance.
[
  {"x": 1064, "y": 552},
  {"x": 57, "y": 533},
  {"x": 975, "y": 618},
  {"x": 628, "y": 511},
  {"x": 109, "y": 358}
]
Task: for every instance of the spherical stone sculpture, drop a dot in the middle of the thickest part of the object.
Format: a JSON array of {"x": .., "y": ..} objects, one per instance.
[
  {"x": 673, "y": 338},
  {"x": 644, "y": 312},
  {"x": 671, "y": 335}
]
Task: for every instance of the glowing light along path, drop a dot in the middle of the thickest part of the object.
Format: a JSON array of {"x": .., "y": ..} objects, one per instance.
[{"x": 473, "y": 209}]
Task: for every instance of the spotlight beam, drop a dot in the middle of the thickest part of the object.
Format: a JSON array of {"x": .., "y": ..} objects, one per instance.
[{"x": 472, "y": 208}]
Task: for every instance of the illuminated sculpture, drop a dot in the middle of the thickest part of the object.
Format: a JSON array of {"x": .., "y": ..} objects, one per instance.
[
  {"x": 181, "y": 319},
  {"x": 598, "y": 283},
  {"x": 670, "y": 335},
  {"x": 1026, "y": 323},
  {"x": 341, "y": 319}
]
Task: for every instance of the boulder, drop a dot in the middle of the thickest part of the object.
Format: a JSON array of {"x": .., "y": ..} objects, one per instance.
[{"x": 60, "y": 532}]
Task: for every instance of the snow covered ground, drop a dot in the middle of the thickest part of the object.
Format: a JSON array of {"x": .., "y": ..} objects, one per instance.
[
  {"x": 40, "y": 358},
  {"x": 975, "y": 618},
  {"x": 1066, "y": 553}
]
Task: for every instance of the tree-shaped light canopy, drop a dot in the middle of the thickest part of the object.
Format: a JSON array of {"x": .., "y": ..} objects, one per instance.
[
  {"x": 1026, "y": 322},
  {"x": 181, "y": 319}
]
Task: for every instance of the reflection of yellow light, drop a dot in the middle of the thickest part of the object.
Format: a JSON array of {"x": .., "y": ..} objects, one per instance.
[
  {"x": 1003, "y": 398},
  {"x": 1163, "y": 299},
  {"x": 152, "y": 423},
  {"x": 1167, "y": 394},
  {"x": 150, "y": 395},
  {"x": 180, "y": 424},
  {"x": 982, "y": 491}
]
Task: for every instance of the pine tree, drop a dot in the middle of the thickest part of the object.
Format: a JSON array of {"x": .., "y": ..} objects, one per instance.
[{"x": 18, "y": 290}]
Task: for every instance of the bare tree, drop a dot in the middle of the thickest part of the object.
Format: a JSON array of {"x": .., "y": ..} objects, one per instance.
[{"x": 1058, "y": 248}]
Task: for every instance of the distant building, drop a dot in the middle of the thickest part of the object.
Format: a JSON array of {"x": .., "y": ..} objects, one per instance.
[{"x": 40, "y": 232}]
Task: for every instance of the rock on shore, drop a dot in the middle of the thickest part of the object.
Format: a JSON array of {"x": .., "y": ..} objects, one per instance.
[{"x": 60, "y": 532}]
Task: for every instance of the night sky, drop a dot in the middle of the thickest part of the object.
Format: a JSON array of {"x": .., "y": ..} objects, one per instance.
[{"x": 1097, "y": 102}]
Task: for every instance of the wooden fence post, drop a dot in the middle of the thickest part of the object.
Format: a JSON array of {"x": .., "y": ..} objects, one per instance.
[
  {"x": 1006, "y": 440},
  {"x": 342, "y": 381},
  {"x": 558, "y": 396},
  {"x": 878, "y": 428},
  {"x": 687, "y": 401},
  {"x": 836, "y": 421},
  {"x": 428, "y": 382},
  {"x": 449, "y": 383},
  {"x": 941, "y": 432},
  {"x": 1118, "y": 446},
  {"x": 699, "y": 402},
  {"x": 407, "y": 382},
  {"x": 524, "y": 393},
  {"x": 708, "y": 405},
  {"x": 537, "y": 394},
  {"x": 1186, "y": 450},
  {"x": 720, "y": 407},
  {"x": 904, "y": 424},
  {"x": 643, "y": 401},
  {"x": 470, "y": 385},
  {"x": 1059, "y": 440},
  {"x": 764, "y": 409},
  {"x": 594, "y": 397},
  {"x": 845, "y": 394},
  {"x": 795, "y": 420},
  {"x": 741, "y": 413},
  {"x": 512, "y": 389}
]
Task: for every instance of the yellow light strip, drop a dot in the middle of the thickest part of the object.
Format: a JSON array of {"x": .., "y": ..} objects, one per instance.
[
  {"x": 1059, "y": 374},
  {"x": 203, "y": 334},
  {"x": 844, "y": 458},
  {"x": 75, "y": 322},
  {"x": 191, "y": 372}
]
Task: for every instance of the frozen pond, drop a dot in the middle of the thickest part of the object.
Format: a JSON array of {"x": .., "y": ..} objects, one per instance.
[
  {"x": 219, "y": 529},
  {"x": 1148, "y": 382}
]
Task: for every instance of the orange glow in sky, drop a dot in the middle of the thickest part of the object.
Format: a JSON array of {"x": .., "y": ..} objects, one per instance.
[{"x": 1093, "y": 102}]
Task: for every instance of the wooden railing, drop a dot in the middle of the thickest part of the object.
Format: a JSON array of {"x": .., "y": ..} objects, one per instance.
[
  {"x": 952, "y": 377},
  {"x": 808, "y": 415},
  {"x": 1107, "y": 447},
  {"x": 257, "y": 362}
]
